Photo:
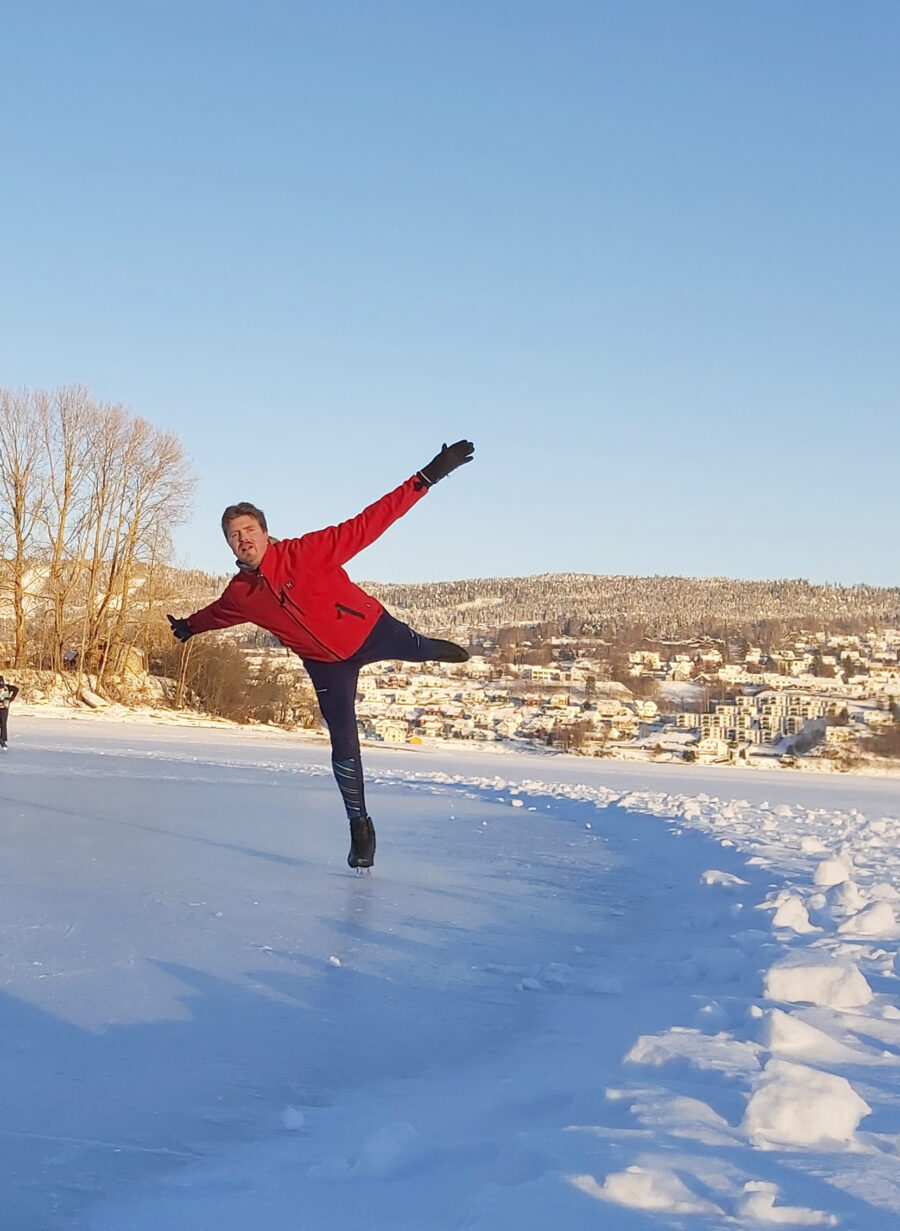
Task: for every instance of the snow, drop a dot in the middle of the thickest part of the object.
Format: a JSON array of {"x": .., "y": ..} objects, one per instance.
[
  {"x": 800, "y": 1106},
  {"x": 760, "y": 1205},
  {"x": 876, "y": 919},
  {"x": 817, "y": 980},
  {"x": 832, "y": 871},
  {"x": 572, "y": 992},
  {"x": 646, "y": 1188},
  {"x": 792, "y": 913}
]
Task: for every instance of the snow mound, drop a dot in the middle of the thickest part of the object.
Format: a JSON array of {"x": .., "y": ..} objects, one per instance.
[
  {"x": 811, "y": 845},
  {"x": 884, "y": 891},
  {"x": 877, "y": 919},
  {"x": 817, "y": 980},
  {"x": 646, "y": 1188},
  {"x": 787, "y": 1034},
  {"x": 711, "y": 1017},
  {"x": 718, "y": 1052},
  {"x": 794, "y": 915},
  {"x": 832, "y": 871},
  {"x": 795, "y": 1105},
  {"x": 845, "y": 898},
  {"x": 759, "y": 1204},
  {"x": 714, "y": 877}
]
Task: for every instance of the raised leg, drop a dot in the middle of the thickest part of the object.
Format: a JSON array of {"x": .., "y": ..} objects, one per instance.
[{"x": 391, "y": 638}]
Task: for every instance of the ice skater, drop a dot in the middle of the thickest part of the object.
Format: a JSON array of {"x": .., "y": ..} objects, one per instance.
[
  {"x": 8, "y": 694},
  {"x": 297, "y": 590}
]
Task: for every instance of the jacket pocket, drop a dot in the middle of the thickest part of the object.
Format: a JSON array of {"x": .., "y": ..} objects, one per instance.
[{"x": 342, "y": 611}]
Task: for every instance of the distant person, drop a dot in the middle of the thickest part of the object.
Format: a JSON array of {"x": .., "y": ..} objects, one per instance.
[
  {"x": 297, "y": 590},
  {"x": 8, "y": 694}
]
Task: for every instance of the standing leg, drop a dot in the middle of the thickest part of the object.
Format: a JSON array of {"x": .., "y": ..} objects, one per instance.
[
  {"x": 335, "y": 685},
  {"x": 4, "y": 715}
]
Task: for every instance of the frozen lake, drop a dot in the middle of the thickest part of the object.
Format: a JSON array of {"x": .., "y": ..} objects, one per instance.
[{"x": 552, "y": 1000}]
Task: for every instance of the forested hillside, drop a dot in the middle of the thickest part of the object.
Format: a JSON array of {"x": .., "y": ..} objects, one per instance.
[{"x": 664, "y": 607}]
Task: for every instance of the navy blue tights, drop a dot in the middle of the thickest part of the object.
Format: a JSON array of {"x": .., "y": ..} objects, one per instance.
[{"x": 335, "y": 685}]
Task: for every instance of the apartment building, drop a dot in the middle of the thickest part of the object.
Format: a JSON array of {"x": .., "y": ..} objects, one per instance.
[{"x": 763, "y": 718}]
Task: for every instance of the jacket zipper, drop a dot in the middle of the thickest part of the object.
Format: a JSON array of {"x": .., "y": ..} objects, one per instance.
[
  {"x": 342, "y": 610},
  {"x": 285, "y": 603}
]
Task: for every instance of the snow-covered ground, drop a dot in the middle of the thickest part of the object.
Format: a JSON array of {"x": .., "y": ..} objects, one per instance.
[{"x": 573, "y": 993}]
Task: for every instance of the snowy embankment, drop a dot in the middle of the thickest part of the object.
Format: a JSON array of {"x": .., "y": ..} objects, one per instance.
[{"x": 593, "y": 994}]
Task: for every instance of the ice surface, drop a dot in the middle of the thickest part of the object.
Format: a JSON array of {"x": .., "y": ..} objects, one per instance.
[{"x": 210, "y": 1025}]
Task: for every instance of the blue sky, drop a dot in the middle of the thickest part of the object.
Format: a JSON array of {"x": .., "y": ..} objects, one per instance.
[{"x": 644, "y": 254}]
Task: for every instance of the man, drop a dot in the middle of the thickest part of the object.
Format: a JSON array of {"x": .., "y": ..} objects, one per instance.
[
  {"x": 8, "y": 694},
  {"x": 298, "y": 590}
]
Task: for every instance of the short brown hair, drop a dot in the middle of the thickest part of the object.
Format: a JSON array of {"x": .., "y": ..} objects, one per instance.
[{"x": 243, "y": 509}]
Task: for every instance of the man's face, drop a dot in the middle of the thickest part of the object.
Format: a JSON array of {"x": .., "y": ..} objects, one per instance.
[{"x": 247, "y": 540}]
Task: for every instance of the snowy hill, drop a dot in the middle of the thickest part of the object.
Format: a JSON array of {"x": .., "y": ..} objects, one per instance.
[
  {"x": 571, "y": 994},
  {"x": 675, "y": 607}
]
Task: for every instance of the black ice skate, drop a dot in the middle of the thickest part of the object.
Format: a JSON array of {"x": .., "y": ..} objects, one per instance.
[{"x": 362, "y": 842}]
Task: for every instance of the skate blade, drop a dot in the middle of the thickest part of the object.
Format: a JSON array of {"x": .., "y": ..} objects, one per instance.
[{"x": 363, "y": 872}]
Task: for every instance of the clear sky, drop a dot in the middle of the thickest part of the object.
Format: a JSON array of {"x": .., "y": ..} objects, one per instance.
[{"x": 644, "y": 254}]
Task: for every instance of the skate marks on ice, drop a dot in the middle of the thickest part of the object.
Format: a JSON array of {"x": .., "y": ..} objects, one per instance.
[
  {"x": 723, "y": 1054},
  {"x": 782, "y": 1070},
  {"x": 726, "y": 1056}
]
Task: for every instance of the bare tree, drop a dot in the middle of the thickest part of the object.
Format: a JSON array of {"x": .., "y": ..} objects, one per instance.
[
  {"x": 139, "y": 487},
  {"x": 68, "y": 420},
  {"x": 154, "y": 497},
  {"x": 22, "y": 489},
  {"x": 88, "y": 496}
]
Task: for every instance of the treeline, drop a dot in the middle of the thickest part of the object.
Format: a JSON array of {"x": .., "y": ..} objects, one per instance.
[
  {"x": 89, "y": 495},
  {"x": 633, "y": 609}
]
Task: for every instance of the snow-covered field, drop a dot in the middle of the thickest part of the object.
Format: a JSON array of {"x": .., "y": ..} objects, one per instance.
[{"x": 573, "y": 993}]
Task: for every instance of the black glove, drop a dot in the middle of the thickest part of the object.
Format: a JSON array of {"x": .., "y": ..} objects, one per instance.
[
  {"x": 180, "y": 628},
  {"x": 448, "y": 459}
]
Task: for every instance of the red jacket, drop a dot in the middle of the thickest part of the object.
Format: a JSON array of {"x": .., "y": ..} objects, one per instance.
[{"x": 300, "y": 592}]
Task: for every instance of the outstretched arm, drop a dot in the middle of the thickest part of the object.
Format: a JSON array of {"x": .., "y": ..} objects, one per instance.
[
  {"x": 223, "y": 613},
  {"x": 337, "y": 544}
]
